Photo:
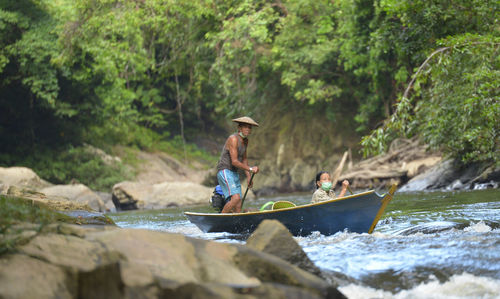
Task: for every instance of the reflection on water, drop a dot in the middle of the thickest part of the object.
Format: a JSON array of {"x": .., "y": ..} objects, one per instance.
[{"x": 427, "y": 245}]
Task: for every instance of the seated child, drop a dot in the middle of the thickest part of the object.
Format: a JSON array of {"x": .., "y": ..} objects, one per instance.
[{"x": 324, "y": 188}]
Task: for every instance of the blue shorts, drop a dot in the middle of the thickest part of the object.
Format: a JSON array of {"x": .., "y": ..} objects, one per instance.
[{"x": 229, "y": 181}]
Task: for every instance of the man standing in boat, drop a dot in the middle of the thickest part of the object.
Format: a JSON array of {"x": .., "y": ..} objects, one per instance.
[{"x": 233, "y": 158}]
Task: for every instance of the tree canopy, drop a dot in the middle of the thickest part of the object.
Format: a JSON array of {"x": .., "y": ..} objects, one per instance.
[{"x": 135, "y": 72}]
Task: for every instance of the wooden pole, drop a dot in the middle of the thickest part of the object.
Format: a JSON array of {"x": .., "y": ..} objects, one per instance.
[{"x": 336, "y": 174}]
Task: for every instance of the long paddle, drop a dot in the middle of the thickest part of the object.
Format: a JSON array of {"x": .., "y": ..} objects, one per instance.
[
  {"x": 340, "y": 167},
  {"x": 245, "y": 195},
  {"x": 350, "y": 190}
]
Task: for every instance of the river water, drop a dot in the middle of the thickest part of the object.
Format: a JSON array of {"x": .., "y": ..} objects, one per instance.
[{"x": 426, "y": 245}]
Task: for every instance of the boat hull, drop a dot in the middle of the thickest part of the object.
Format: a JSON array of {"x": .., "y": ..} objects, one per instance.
[{"x": 356, "y": 213}]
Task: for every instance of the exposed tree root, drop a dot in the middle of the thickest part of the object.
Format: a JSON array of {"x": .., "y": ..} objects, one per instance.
[{"x": 405, "y": 159}]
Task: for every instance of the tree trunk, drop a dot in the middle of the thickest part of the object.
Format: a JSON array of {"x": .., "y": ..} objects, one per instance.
[{"x": 181, "y": 121}]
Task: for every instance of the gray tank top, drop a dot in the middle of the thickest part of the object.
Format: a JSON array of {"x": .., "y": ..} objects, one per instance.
[{"x": 225, "y": 157}]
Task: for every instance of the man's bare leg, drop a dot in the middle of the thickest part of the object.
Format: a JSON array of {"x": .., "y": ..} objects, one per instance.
[{"x": 233, "y": 206}]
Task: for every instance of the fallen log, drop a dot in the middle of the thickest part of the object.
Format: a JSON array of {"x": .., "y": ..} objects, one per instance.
[
  {"x": 370, "y": 174},
  {"x": 405, "y": 159}
]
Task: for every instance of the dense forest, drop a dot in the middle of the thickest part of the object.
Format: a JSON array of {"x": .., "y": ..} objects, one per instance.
[{"x": 153, "y": 74}]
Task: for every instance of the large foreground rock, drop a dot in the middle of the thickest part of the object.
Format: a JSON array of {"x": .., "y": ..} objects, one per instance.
[
  {"x": 129, "y": 263},
  {"x": 138, "y": 195},
  {"x": 45, "y": 280}
]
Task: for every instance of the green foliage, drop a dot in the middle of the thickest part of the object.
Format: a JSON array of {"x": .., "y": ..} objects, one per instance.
[
  {"x": 146, "y": 59},
  {"x": 80, "y": 164},
  {"x": 241, "y": 46},
  {"x": 140, "y": 138},
  {"x": 458, "y": 109},
  {"x": 304, "y": 52},
  {"x": 380, "y": 43},
  {"x": 142, "y": 73},
  {"x": 286, "y": 45},
  {"x": 15, "y": 210}
]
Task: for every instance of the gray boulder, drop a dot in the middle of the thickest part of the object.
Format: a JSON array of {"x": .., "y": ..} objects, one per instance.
[
  {"x": 274, "y": 238},
  {"x": 138, "y": 195},
  {"x": 77, "y": 193},
  {"x": 452, "y": 175},
  {"x": 437, "y": 176}
]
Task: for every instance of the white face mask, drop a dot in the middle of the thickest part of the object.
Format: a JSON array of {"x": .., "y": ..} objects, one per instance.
[{"x": 242, "y": 135}]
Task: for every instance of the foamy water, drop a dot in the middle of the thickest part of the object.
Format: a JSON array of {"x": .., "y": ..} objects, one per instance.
[{"x": 458, "y": 286}]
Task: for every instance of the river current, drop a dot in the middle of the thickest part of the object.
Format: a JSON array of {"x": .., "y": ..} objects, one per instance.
[{"x": 426, "y": 245}]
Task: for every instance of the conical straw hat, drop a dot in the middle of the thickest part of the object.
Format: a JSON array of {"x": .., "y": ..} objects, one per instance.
[{"x": 246, "y": 120}]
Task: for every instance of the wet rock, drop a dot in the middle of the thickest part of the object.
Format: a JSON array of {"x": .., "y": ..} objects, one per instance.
[
  {"x": 455, "y": 185},
  {"x": 437, "y": 176},
  {"x": 77, "y": 193},
  {"x": 269, "y": 268},
  {"x": 274, "y": 238},
  {"x": 488, "y": 185},
  {"x": 137, "y": 195},
  {"x": 452, "y": 175},
  {"x": 488, "y": 178},
  {"x": 86, "y": 217}
]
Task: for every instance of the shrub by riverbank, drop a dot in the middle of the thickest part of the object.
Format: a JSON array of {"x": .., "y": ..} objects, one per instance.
[{"x": 22, "y": 218}]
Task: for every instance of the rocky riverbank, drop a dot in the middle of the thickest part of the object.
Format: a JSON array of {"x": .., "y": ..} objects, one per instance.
[
  {"x": 408, "y": 163},
  {"x": 94, "y": 258},
  {"x": 163, "y": 182},
  {"x": 414, "y": 167},
  {"x": 70, "y": 261},
  {"x": 152, "y": 190}
]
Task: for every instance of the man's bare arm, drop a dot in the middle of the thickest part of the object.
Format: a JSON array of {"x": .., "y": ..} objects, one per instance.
[{"x": 232, "y": 145}]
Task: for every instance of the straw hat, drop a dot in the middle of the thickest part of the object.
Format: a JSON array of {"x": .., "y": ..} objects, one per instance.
[{"x": 246, "y": 120}]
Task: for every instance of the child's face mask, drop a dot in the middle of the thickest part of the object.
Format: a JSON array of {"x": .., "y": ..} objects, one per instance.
[{"x": 326, "y": 186}]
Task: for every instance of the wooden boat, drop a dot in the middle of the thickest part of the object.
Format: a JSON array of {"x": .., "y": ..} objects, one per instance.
[{"x": 357, "y": 213}]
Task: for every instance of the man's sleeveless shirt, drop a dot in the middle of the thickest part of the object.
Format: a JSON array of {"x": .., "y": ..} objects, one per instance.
[{"x": 225, "y": 157}]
